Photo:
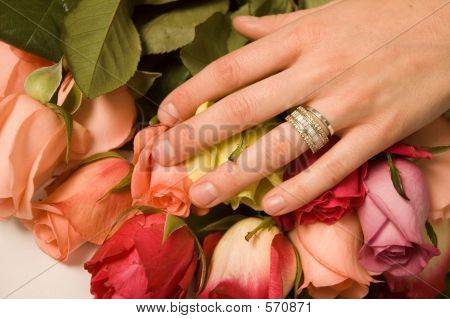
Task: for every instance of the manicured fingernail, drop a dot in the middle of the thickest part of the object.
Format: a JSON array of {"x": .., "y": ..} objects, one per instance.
[
  {"x": 168, "y": 114},
  {"x": 247, "y": 19},
  {"x": 163, "y": 152},
  {"x": 273, "y": 205},
  {"x": 203, "y": 194}
]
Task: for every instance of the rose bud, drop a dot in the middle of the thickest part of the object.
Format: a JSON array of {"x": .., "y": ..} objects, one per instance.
[
  {"x": 328, "y": 255},
  {"x": 82, "y": 208},
  {"x": 432, "y": 280},
  {"x": 334, "y": 203},
  {"x": 16, "y": 65},
  {"x": 393, "y": 225},
  {"x": 33, "y": 140},
  {"x": 155, "y": 185},
  {"x": 436, "y": 170},
  {"x": 262, "y": 267},
  {"x": 135, "y": 263}
]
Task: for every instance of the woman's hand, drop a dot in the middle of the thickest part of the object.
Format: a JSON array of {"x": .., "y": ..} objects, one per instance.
[{"x": 377, "y": 70}]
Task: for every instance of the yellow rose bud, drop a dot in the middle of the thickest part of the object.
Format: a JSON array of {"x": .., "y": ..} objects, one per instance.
[{"x": 215, "y": 156}]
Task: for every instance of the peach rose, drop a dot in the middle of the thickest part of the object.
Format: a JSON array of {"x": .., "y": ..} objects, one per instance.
[
  {"x": 80, "y": 209},
  {"x": 109, "y": 118},
  {"x": 329, "y": 257},
  {"x": 436, "y": 170},
  {"x": 33, "y": 140},
  {"x": 158, "y": 186},
  {"x": 15, "y": 66}
]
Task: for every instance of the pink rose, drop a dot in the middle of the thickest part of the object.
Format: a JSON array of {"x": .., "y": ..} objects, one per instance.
[
  {"x": 81, "y": 209},
  {"x": 328, "y": 256},
  {"x": 436, "y": 170},
  {"x": 158, "y": 186},
  {"x": 431, "y": 281},
  {"x": 334, "y": 203},
  {"x": 33, "y": 140},
  {"x": 392, "y": 225},
  {"x": 263, "y": 267},
  {"x": 134, "y": 263},
  {"x": 15, "y": 66}
]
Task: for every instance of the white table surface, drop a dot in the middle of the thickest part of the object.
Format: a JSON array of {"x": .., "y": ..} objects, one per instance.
[{"x": 26, "y": 272}]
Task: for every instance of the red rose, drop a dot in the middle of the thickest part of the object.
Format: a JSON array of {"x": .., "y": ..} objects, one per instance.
[
  {"x": 134, "y": 263},
  {"x": 334, "y": 203}
]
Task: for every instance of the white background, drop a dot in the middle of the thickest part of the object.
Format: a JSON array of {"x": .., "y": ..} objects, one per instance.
[{"x": 21, "y": 260}]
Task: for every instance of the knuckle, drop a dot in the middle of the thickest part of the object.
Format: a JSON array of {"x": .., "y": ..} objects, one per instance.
[
  {"x": 226, "y": 71},
  {"x": 335, "y": 171},
  {"x": 279, "y": 153},
  {"x": 240, "y": 109}
]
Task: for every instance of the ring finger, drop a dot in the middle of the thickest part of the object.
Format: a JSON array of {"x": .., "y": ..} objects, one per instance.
[{"x": 274, "y": 150}]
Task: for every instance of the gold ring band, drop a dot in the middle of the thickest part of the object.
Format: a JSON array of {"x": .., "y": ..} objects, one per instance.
[
  {"x": 313, "y": 130},
  {"x": 322, "y": 118}
]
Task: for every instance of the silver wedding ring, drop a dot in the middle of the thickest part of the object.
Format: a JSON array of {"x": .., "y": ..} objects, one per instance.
[{"x": 313, "y": 127}]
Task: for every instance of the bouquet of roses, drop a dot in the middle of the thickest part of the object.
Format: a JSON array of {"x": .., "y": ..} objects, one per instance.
[{"x": 79, "y": 89}]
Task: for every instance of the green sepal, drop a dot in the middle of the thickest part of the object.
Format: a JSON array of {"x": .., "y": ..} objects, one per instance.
[
  {"x": 73, "y": 100},
  {"x": 68, "y": 123},
  {"x": 100, "y": 156},
  {"x": 436, "y": 149},
  {"x": 447, "y": 115},
  {"x": 172, "y": 224},
  {"x": 222, "y": 225},
  {"x": 298, "y": 273},
  {"x": 396, "y": 178},
  {"x": 142, "y": 208},
  {"x": 124, "y": 184},
  {"x": 266, "y": 223},
  {"x": 43, "y": 83},
  {"x": 239, "y": 149},
  {"x": 154, "y": 120},
  {"x": 431, "y": 234}
]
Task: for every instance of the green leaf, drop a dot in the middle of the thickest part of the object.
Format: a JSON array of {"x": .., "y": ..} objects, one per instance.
[
  {"x": 431, "y": 234},
  {"x": 172, "y": 224},
  {"x": 141, "y": 82},
  {"x": 396, "y": 178},
  {"x": 436, "y": 149},
  {"x": 34, "y": 26},
  {"x": 266, "y": 223},
  {"x": 239, "y": 149},
  {"x": 221, "y": 225},
  {"x": 315, "y": 3},
  {"x": 102, "y": 45},
  {"x": 174, "y": 29},
  {"x": 42, "y": 83},
  {"x": 203, "y": 50},
  {"x": 73, "y": 100},
  {"x": 68, "y": 122},
  {"x": 256, "y": 8},
  {"x": 100, "y": 156}
]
